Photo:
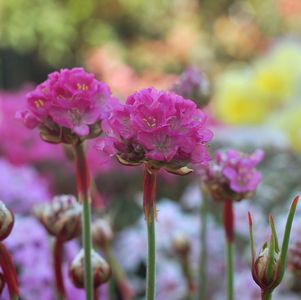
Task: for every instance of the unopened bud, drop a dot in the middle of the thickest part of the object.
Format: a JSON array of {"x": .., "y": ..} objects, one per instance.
[
  {"x": 61, "y": 217},
  {"x": 181, "y": 244},
  {"x": 102, "y": 233},
  {"x": 6, "y": 221},
  {"x": 261, "y": 264},
  {"x": 100, "y": 268}
]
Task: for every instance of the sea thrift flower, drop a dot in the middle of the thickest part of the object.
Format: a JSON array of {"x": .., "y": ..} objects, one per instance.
[
  {"x": 193, "y": 85},
  {"x": 159, "y": 128},
  {"x": 61, "y": 217},
  {"x": 67, "y": 107},
  {"x": 232, "y": 175},
  {"x": 101, "y": 270}
]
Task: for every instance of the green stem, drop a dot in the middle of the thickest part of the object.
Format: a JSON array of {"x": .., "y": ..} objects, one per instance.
[
  {"x": 149, "y": 206},
  {"x": 57, "y": 262},
  {"x": 266, "y": 295},
  {"x": 151, "y": 258},
  {"x": 203, "y": 249},
  {"x": 87, "y": 242},
  {"x": 230, "y": 294},
  {"x": 83, "y": 187}
]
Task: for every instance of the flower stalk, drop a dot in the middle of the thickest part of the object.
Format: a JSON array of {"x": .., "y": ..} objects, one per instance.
[
  {"x": 83, "y": 188},
  {"x": 149, "y": 194},
  {"x": 229, "y": 233},
  {"x": 57, "y": 261},
  {"x": 9, "y": 272}
]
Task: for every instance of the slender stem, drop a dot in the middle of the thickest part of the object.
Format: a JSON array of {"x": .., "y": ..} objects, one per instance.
[
  {"x": 149, "y": 193},
  {"x": 187, "y": 272},
  {"x": 229, "y": 232},
  {"x": 230, "y": 283},
  {"x": 203, "y": 249},
  {"x": 57, "y": 262},
  {"x": 266, "y": 295},
  {"x": 151, "y": 259},
  {"x": 83, "y": 187},
  {"x": 119, "y": 275},
  {"x": 9, "y": 272}
]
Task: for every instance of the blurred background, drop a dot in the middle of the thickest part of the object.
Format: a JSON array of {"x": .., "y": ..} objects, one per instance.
[{"x": 249, "y": 55}]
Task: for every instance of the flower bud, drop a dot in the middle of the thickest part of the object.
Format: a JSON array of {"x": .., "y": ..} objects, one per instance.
[
  {"x": 181, "y": 244},
  {"x": 102, "y": 233},
  {"x": 100, "y": 268},
  {"x": 261, "y": 264},
  {"x": 61, "y": 217},
  {"x": 6, "y": 221}
]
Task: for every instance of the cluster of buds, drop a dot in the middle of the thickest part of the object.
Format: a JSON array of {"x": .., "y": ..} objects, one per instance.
[
  {"x": 269, "y": 267},
  {"x": 194, "y": 85},
  {"x": 100, "y": 268},
  {"x": 61, "y": 217},
  {"x": 102, "y": 233}
]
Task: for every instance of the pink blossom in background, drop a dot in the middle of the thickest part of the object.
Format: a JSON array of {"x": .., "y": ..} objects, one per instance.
[
  {"x": 19, "y": 145},
  {"x": 70, "y": 99},
  {"x": 158, "y": 127},
  {"x": 233, "y": 174},
  {"x": 239, "y": 169},
  {"x": 21, "y": 187}
]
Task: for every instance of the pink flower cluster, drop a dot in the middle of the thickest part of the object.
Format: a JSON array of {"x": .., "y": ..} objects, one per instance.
[
  {"x": 233, "y": 174},
  {"x": 160, "y": 128},
  {"x": 71, "y": 99}
]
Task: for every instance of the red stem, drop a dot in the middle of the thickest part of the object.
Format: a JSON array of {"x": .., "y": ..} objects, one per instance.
[
  {"x": 95, "y": 293},
  {"x": 58, "y": 261},
  {"x": 229, "y": 220},
  {"x": 82, "y": 173},
  {"x": 9, "y": 271},
  {"x": 149, "y": 192}
]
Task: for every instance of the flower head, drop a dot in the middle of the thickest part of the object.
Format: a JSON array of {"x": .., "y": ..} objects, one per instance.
[
  {"x": 61, "y": 217},
  {"x": 232, "y": 175},
  {"x": 101, "y": 270},
  {"x": 193, "y": 85},
  {"x": 68, "y": 106},
  {"x": 159, "y": 128}
]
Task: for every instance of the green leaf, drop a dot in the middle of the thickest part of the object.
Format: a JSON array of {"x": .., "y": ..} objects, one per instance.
[
  {"x": 286, "y": 237},
  {"x": 271, "y": 258}
]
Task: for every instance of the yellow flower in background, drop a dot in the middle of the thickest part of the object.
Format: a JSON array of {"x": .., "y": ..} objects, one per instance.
[
  {"x": 289, "y": 120},
  {"x": 237, "y": 101},
  {"x": 275, "y": 76}
]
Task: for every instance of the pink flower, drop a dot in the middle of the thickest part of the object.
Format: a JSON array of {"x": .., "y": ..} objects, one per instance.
[
  {"x": 160, "y": 128},
  {"x": 233, "y": 174},
  {"x": 69, "y": 102}
]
